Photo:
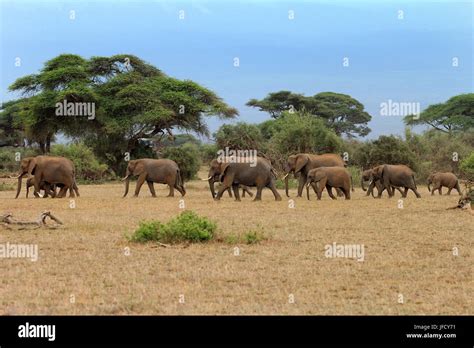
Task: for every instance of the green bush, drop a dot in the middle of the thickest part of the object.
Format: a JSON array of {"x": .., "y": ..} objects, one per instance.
[
  {"x": 6, "y": 187},
  {"x": 88, "y": 168},
  {"x": 208, "y": 152},
  {"x": 467, "y": 167},
  {"x": 241, "y": 136},
  {"x": 7, "y": 158},
  {"x": 187, "y": 158},
  {"x": 301, "y": 132},
  {"x": 187, "y": 226}
]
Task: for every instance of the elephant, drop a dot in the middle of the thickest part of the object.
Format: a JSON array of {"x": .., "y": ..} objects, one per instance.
[
  {"x": 329, "y": 177},
  {"x": 438, "y": 180},
  {"x": 302, "y": 163},
  {"x": 234, "y": 174},
  {"x": 213, "y": 176},
  {"x": 50, "y": 169},
  {"x": 367, "y": 176},
  {"x": 398, "y": 175},
  {"x": 49, "y": 190},
  {"x": 162, "y": 171}
]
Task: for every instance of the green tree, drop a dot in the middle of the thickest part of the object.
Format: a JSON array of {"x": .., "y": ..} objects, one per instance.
[
  {"x": 300, "y": 132},
  {"x": 187, "y": 157},
  {"x": 134, "y": 101},
  {"x": 457, "y": 114},
  {"x": 240, "y": 136},
  {"x": 385, "y": 150},
  {"x": 342, "y": 113}
]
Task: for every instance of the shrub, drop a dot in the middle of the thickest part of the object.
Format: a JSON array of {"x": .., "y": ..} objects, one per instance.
[
  {"x": 208, "y": 152},
  {"x": 6, "y": 187},
  {"x": 187, "y": 226},
  {"x": 241, "y": 136},
  {"x": 7, "y": 158},
  {"x": 253, "y": 237},
  {"x": 88, "y": 168},
  {"x": 300, "y": 132},
  {"x": 187, "y": 158},
  {"x": 467, "y": 167}
]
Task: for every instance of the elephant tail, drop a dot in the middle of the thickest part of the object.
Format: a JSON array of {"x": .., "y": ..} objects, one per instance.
[
  {"x": 352, "y": 184},
  {"x": 179, "y": 180},
  {"x": 414, "y": 181}
]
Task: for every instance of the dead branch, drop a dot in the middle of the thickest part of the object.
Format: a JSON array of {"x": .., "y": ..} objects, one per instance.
[{"x": 9, "y": 222}]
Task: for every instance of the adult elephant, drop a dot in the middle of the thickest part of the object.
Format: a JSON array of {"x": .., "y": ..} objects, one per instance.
[
  {"x": 367, "y": 176},
  {"x": 260, "y": 175},
  {"x": 329, "y": 177},
  {"x": 50, "y": 169},
  {"x": 302, "y": 163},
  {"x": 214, "y": 175},
  {"x": 398, "y": 175},
  {"x": 438, "y": 180},
  {"x": 162, "y": 171}
]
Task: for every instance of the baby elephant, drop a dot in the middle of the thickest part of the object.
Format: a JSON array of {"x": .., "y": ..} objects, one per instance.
[
  {"x": 329, "y": 177},
  {"x": 438, "y": 180},
  {"x": 49, "y": 190}
]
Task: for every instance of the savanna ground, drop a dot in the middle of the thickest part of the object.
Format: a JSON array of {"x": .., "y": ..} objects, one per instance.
[{"x": 408, "y": 251}]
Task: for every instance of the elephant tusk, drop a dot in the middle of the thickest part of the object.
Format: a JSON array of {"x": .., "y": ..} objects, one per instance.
[
  {"x": 286, "y": 175},
  {"x": 209, "y": 178},
  {"x": 124, "y": 178}
]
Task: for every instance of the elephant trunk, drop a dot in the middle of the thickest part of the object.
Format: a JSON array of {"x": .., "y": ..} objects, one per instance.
[
  {"x": 211, "y": 186},
  {"x": 286, "y": 184},
  {"x": 20, "y": 177}
]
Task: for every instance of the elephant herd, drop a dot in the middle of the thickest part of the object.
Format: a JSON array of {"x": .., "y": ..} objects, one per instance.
[{"x": 48, "y": 173}]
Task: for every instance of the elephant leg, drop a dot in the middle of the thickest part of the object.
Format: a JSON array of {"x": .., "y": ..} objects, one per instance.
[
  {"x": 301, "y": 182},
  {"x": 226, "y": 184},
  {"x": 243, "y": 192},
  {"x": 433, "y": 190},
  {"x": 339, "y": 192},
  {"x": 258, "y": 196},
  {"x": 347, "y": 192},
  {"x": 415, "y": 192},
  {"x": 246, "y": 189},
  {"x": 62, "y": 192},
  {"x": 152, "y": 188},
  {"x": 440, "y": 191},
  {"x": 71, "y": 192},
  {"x": 449, "y": 191},
  {"x": 37, "y": 188},
  {"x": 181, "y": 190},
  {"x": 399, "y": 190},
  {"x": 329, "y": 189},
  {"x": 229, "y": 191},
  {"x": 171, "y": 193},
  {"x": 235, "y": 188},
  {"x": 140, "y": 181},
  {"x": 405, "y": 192},
  {"x": 274, "y": 190}
]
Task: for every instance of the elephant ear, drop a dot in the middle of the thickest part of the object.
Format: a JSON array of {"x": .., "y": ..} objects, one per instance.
[
  {"x": 301, "y": 162},
  {"x": 31, "y": 166},
  {"x": 224, "y": 167},
  {"x": 138, "y": 167}
]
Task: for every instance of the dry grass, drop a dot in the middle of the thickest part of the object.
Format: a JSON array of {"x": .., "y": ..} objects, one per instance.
[{"x": 407, "y": 251}]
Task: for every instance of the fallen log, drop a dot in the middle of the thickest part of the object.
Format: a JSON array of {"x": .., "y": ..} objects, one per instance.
[{"x": 10, "y": 223}]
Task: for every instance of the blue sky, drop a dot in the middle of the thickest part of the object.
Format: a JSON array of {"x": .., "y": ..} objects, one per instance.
[{"x": 405, "y": 60}]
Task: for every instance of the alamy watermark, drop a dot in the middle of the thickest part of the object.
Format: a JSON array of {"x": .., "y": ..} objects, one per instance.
[
  {"x": 393, "y": 108},
  {"x": 237, "y": 156},
  {"x": 66, "y": 108},
  {"x": 350, "y": 251},
  {"x": 11, "y": 251}
]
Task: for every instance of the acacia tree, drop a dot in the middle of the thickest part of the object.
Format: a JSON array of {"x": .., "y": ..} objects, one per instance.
[
  {"x": 133, "y": 101},
  {"x": 340, "y": 112},
  {"x": 456, "y": 114}
]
